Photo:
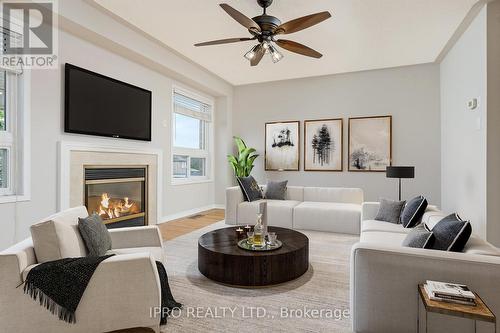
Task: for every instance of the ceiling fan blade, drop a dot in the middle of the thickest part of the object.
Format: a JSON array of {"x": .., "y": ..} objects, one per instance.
[
  {"x": 224, "y": 41},
  {"x": 298, "y": 48},
  {"x": 259, "y": 53},
  {"x": 241, "y": 18},
  {"x": 302, "y": 23}
]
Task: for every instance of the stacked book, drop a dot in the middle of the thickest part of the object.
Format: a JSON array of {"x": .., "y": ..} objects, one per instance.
[{"x": 449, "y": 292}]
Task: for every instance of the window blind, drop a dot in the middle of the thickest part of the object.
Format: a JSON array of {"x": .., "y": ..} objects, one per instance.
[
  {"x": 191, "y": 107},
  {"x": 11, "y": 35}
]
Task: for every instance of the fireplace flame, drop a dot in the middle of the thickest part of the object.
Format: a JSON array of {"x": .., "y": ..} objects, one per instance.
[{"x": 110, "y": 208}]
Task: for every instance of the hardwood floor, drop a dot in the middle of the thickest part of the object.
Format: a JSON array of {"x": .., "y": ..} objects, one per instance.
[
  {"x": 172, "y": 229},
  {"x": 176, "y": 228}
]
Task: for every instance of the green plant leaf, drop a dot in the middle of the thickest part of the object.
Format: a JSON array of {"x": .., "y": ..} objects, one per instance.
[
  {"x": 242, "y": 164},
  {"x": 239, "y": 143},
  {"x": 244, "y": 154}
]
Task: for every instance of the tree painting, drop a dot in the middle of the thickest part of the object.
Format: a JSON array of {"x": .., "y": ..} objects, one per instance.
[
  {"x": 322, "y": 145},
  {"x": 282, "y": 146},
  {"x": 284, "y": 139},
  {"x": 370, "y": 143},
  {"x": 323, "y": 139}
]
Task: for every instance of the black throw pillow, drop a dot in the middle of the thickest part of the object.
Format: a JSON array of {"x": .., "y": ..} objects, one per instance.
[
  {"x": 413, "y": 211},
  {"x": 250, "y": 188},
  {"x": 390, "y": 211},
  {"x": 419, "y": 237},
  {"x": 95, "y": 235},
  {"x": 276, "y": 190},
  {"x": 451, "y": 234}
]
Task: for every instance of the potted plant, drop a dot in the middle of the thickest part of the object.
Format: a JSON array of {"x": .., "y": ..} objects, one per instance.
[{"x": 243, "y": 163}]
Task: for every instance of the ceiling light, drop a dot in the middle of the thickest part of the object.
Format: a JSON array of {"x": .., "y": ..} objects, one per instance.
[
  {"x": 275, "y": 54},
  {"x": 266, "y": 45},
  {"x": 251, "y": 54}
]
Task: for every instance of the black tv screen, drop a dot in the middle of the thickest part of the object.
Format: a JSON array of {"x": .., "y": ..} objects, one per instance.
[{"x": 99, "y": 105}]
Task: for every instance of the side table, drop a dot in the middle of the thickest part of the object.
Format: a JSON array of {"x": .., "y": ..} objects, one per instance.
[{"x": 480, "y": 312}]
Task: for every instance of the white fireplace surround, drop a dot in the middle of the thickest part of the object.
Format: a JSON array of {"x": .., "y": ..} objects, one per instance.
[{"x": 66, "y": 151}]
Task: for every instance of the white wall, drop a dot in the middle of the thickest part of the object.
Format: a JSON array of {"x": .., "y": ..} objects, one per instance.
[
  {"x": 94, "y": 53},
  {"x": 409, "y": 94},
  {"x": 463, "y": 133},
  {"x": 493, "y": 123}
]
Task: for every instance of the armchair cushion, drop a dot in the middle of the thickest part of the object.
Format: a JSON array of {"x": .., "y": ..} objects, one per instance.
[
  {"x": 95, "y": 234},
  {"x": 156, "y": 253},
  {"x": 57, "y": 236}
]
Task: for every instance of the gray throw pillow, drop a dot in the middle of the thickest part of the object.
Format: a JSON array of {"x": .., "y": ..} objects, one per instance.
[
  {"x": 276, "y": 190},
  {"x": 390, "y": 211},
  {"x": 95, "y": 235},
  {"x": 419, "y": 237},
  {"x": 250, "y": 188},
  {"x": 451, "y": 233}
]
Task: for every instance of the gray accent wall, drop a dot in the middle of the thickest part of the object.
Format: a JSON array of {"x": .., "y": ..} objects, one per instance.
[{"x": 410, "y": 94}]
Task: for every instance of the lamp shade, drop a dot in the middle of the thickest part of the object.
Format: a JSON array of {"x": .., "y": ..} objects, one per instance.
[{"x": 400, "y": 172}]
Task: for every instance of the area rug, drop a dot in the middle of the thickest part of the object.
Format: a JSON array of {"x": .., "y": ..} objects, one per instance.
[{"x": 318, "y": 301}]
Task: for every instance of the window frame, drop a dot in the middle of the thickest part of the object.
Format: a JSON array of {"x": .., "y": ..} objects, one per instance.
[
  {"x": 208, "y": 138},
  {"x": 17, "y": 137}
]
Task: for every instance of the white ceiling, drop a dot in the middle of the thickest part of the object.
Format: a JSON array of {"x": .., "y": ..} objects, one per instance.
[{"x": 361, "y": 35}]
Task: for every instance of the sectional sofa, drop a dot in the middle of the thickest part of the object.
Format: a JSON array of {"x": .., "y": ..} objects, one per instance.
[
  {"x": 331, "y": 209},
  {"x": 384, "y": 277}
]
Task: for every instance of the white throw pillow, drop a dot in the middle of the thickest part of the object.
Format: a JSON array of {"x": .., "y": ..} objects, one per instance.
[{"x": 57, "y": 236}]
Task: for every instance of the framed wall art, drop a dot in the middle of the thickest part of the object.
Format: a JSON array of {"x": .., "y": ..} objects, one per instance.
[
  {"x": 282, "y": 152},
  {"x": 323, "y": 145},
  {"x": 370, "y": 143}
]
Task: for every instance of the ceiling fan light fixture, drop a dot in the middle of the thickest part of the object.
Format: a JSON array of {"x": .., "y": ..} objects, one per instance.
[
  {"x": 264, "y": 28},
  {"x": 275, "y": 54},
  {"x": 251, "y": 54},
  {"x": 266, "y": 45}
]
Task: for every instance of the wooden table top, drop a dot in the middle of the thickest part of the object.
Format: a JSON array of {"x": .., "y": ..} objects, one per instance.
[
  {"x": 479, "y": 312},
  {"x": 225, "y": 241}
]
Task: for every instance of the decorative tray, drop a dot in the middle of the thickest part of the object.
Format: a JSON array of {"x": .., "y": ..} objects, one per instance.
[{"x": 245, "y": 245}]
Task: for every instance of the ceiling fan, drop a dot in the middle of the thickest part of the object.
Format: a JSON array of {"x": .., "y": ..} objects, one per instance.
[{"x": 265, "y": 28}]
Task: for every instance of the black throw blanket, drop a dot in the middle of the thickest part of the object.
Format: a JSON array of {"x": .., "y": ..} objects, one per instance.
[
  {"x": 168, "y": 302},
  {"x": 59, "y": 285}
]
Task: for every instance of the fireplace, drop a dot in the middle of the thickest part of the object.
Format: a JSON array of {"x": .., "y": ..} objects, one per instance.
[{"x": 117, "y": 194}]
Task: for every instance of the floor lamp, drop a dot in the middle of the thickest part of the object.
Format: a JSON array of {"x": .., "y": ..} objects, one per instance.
[{"x": 400, "y": 172}]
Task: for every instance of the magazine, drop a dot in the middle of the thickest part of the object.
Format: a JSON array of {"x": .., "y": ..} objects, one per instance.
[
  {"x": 457, "y": 291},
  {"x": 449, "y": 300}
]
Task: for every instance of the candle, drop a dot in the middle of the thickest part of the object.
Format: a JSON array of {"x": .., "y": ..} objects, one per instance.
[{"x": 240, "y": 233}]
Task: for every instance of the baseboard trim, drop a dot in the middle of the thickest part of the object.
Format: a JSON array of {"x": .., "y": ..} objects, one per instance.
[{"x": 189, "y": 212}]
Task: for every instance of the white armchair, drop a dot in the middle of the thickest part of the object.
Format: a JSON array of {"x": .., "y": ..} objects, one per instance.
[{"x": 120, "y": 294}]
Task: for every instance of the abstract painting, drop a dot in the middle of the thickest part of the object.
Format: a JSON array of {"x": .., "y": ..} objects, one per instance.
[
  {"x": 282, "y": 146},
  {"x": 370, "y": 143},
  {"x": 323, "y": 145}
]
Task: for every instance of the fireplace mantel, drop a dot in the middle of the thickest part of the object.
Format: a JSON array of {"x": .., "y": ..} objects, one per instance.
[{"x": 73, "y": 156}]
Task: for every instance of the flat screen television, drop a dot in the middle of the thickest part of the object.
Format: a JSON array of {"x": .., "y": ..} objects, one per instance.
[{"x": 99, "y": 105}]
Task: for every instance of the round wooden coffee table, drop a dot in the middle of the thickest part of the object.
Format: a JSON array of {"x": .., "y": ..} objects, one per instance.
[{"x": 220, "y": 259}]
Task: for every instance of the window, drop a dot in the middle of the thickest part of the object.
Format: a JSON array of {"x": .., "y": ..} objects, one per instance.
[
  {"x": 14, "y": 123},
  {"x": 192, "y": 137},
  {"x": 6, "y": 135},
  {"x": 13, "y": 137}
]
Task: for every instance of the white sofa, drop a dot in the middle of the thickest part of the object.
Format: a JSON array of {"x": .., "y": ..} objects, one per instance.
[
  {"x": 384, "y": 277},
  {"x": 120, "y": 294},
  {"x": 331, "y": 209}
]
